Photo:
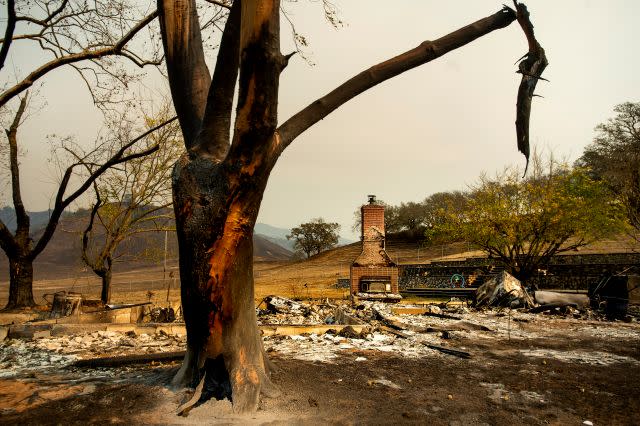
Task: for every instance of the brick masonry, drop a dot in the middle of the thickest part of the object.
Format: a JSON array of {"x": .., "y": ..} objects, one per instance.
[{"x": 373, "y": 264}]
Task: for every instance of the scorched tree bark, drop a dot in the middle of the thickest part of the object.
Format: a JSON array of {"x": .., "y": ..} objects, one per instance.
[{"x": 219, "y": 183}]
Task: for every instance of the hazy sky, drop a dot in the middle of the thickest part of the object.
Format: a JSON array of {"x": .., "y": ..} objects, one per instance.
[{"x": 435, "y": 128}]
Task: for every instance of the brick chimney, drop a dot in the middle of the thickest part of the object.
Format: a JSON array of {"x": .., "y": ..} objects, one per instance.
[
  {"x": 372, "y": 236},
  {"x": 373, "y": 272},
  {"x": 371, "y": 220}
]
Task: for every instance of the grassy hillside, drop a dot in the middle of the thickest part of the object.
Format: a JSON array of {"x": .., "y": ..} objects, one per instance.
[{"x": 315, "y": 277}]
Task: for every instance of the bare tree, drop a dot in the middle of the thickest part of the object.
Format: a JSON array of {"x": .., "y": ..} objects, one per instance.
[
  {"x": 85, "y": 38},
  {"x": 219, "y": 183},
  {"x": 19, "y": 246},
  {"x": 131, "y": 199}
]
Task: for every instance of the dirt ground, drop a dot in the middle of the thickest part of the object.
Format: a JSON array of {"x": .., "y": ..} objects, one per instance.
[{"x": 545, "y": 371}]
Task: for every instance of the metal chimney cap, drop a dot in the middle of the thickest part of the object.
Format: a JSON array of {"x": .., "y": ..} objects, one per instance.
[{"x": 372, "y": 199}]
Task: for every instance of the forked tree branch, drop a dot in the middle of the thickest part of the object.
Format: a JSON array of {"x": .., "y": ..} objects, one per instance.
[{"x": 116, "y": 49}]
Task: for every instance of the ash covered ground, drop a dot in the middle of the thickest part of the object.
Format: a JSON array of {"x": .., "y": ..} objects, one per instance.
[{"x": 504, "y": 367}]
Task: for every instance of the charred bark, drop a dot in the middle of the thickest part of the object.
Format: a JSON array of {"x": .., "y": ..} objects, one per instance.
[{"x": 216, "y": 207}]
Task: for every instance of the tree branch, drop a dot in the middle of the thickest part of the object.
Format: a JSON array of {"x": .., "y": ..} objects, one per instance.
[
  {"x": 7, "y": 241},
  {"x": 8, "y": 34},
  {"x": 116, "y": 49},
  {"x": 22, "y": 218},
  {"x": 89, "y": 228},
  {"x": 531, "y": 68},
  {"x": 61, "y": 202},
  {"x": 47, "y": 20},
  {"x": 189, "y": 76},
  {"x": 213, "y": 140},
  {"x": 424, "y": 53},
  {"x": 260, "y": 68},
  {"x": 221, "y": 4}
]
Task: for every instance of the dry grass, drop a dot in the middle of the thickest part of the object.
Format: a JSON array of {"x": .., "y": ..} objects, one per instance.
[{"x": 313, "y": 278}]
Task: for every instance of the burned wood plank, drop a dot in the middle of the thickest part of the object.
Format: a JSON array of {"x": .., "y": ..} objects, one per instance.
[
  {"x": 449, "y": 351},
  {"x": 117, "y": 361},
  {"x": 550, "y": 306},
  {"x": 443, "y": 316},
  {"x": 390, "y": 330}
]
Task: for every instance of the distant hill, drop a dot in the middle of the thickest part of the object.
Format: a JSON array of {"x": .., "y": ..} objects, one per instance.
[
  {"x": 61, "y": 258},
  {"x": 279, "y": 235},
  {"x": 38, "y": 219}
]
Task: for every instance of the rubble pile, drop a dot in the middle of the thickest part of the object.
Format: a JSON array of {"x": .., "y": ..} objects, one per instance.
[
  {"x": 17, "y": 355},
  {"x": 503, "y": 290},
  {"x": 280, "y": 310},
  {"x": 329, "y": 346},
  {"x": 112, "y": 342},
  {"x": 441, "y": 332},
  {"x": 326, "y": 332}
]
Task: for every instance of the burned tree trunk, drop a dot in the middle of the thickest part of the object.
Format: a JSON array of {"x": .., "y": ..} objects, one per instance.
[{"x": 215, "y": 215}]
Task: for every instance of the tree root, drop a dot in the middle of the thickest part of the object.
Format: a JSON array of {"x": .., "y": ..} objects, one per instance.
[{"x": 240, "y": 383}]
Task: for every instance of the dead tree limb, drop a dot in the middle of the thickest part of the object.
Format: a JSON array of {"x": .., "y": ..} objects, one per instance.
[{"x": 531, "y": 66}]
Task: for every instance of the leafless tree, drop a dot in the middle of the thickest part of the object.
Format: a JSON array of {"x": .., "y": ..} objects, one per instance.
[
  {"x": 86, "y": 37},
  {"x": 131, "y": 199},
  {"x": 19, "y": 246},
  {"x": 99, "y": 40},
  {"x": 219, "y": 183}
]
